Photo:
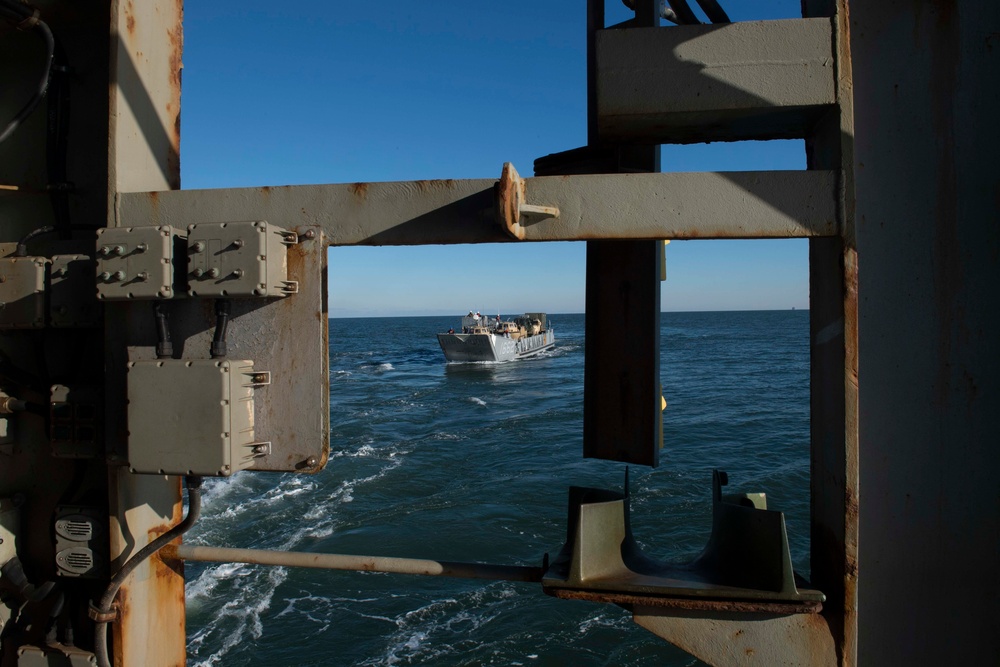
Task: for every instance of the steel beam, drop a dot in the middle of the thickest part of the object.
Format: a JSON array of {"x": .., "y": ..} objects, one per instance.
[
  {"x": 691, "y": 83},
  {"x": 756, "y": 204},
  {"x": 833, "y": 382},
  {"x": 143, "y": 149},
  {"x": 928, "y": 203},
  {"x": 356, "y": 563}
]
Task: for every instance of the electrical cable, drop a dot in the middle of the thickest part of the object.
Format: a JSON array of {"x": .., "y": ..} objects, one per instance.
[
  {"x": 27, "y": 18},
  {"x": 164, "y": 347},
  {"x": 22, "y": 245},
  {"x": 222, "y": 310},
  {"x": 103, "y": 607}
]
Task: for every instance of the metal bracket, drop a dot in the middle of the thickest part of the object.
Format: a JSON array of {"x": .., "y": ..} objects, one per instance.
[
  {"x": 259, "y": 378},
  {"x": 746, "y": 565},
  {"x": 510, "y": 205},
  {"x": 259, "y": 449},
  {"x": 98, "y": 616}
]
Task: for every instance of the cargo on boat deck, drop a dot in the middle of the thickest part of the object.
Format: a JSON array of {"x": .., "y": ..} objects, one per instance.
[{"x": 494, "y": 339}]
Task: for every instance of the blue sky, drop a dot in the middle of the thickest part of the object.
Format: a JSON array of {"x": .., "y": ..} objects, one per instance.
[{"x": 335, "y": 92}]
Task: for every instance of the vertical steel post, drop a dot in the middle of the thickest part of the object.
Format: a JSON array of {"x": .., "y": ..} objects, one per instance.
[
  {"x": 833, "y": 331},
  {"x": 622, "y": 419},
  {"x": 928, "y": 205},
  {"x": 143, "y": 154}
]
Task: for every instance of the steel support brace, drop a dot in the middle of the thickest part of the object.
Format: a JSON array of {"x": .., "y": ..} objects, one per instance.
[
  {"x": 690, "y": 83},
  {"x": 622, "y": 418},
  {"x": 350, "y": 562},
  {"x": 142, "y": 154},
  {"x": 750, "y": 204}
]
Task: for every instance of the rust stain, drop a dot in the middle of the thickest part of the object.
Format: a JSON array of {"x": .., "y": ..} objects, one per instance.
[
  {"x": 175, "y": 37},
  {"x": 810, "y": 609},
  {"x": 426, "y": 186},
  {"x": 360, "y": 190},
  {"x": 118, "y": 635}
]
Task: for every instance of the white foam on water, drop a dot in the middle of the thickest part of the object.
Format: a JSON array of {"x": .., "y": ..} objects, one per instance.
[
  {"x": 423, "y": 634},
  {"x": 240, "y": 617},
  {"x": 288, "y": 489},
  {"x": 247, "y": 591},
  {"x": 477, "y": 401},
  {"x": 599, "y": 620},
  {"x": 203, "y": 586}
]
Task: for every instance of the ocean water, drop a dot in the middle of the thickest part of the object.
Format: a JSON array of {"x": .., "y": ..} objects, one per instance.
[{"x": 472, "y": 462}]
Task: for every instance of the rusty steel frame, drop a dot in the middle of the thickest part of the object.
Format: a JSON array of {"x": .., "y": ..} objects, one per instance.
[
  {"x": 143, "y": 153},
  {"x": 776, "y": 204},
  {"x": 828, "y": 638},
  {"x": 927, "y": 192}
]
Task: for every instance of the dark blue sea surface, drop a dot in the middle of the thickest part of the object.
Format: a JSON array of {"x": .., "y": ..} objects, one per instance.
[{"x": 472, "y": 462}]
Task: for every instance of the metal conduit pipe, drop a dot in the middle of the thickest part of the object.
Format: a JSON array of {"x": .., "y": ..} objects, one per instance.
[
  {"x": 102, "y": 613},
  {"x": 433, "y": 568}
]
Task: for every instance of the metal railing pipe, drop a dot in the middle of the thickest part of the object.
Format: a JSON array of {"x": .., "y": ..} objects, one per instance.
[{"x": 434, "y": 568}]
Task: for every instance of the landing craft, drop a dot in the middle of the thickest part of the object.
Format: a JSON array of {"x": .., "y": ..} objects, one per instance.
[{"x": 482, "y": 339}]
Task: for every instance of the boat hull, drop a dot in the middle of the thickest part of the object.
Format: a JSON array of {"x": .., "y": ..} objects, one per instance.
[{"x": 492, "y": 347}]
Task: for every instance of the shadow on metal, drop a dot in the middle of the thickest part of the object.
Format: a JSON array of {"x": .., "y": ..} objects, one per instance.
[{"x": 746, "y": 565}]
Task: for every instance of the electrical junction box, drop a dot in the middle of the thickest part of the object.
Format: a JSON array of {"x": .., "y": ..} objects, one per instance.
[
  {"x": 71, "y": 292},
  {"x": 81, "y": 544},
  {"x": 193, "y": 417},
  {"x": 22, "y": 292},
  {"x": 54, "y": 654},
  {"x": 137, "y": 263},
  {"x": 239, "y": 259}
]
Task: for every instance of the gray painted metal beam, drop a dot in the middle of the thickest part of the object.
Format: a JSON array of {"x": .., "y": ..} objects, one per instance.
[
  {"x": 765, "y": 204},
  {"x": 682, "y": 84}
]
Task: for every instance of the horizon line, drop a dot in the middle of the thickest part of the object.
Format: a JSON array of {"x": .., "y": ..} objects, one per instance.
[{"x": 662, "y": 312}]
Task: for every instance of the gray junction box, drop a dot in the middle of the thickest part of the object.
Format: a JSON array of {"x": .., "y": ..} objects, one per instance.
[
  {"x": 136, "y": 262},
  {"x": 244, "y": 259},
  {"x": 192, "y": 417}
]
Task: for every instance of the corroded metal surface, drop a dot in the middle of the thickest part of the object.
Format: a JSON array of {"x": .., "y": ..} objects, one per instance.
[
  {"x": 725, "y": 638},
  {"x": 782, "y": 204},
  {"x": 662, "y": 603},
  {"x": 150, "y": 625},
  {"x": 833, "y": 269},
  {"x": 143, "y": 154}
]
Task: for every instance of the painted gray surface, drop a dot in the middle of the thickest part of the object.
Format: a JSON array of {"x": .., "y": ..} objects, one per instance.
[
  {"x": 781, "y": 204},
  {"x": 745, "y": 80},
  {"x": 490, "y": 347}
]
